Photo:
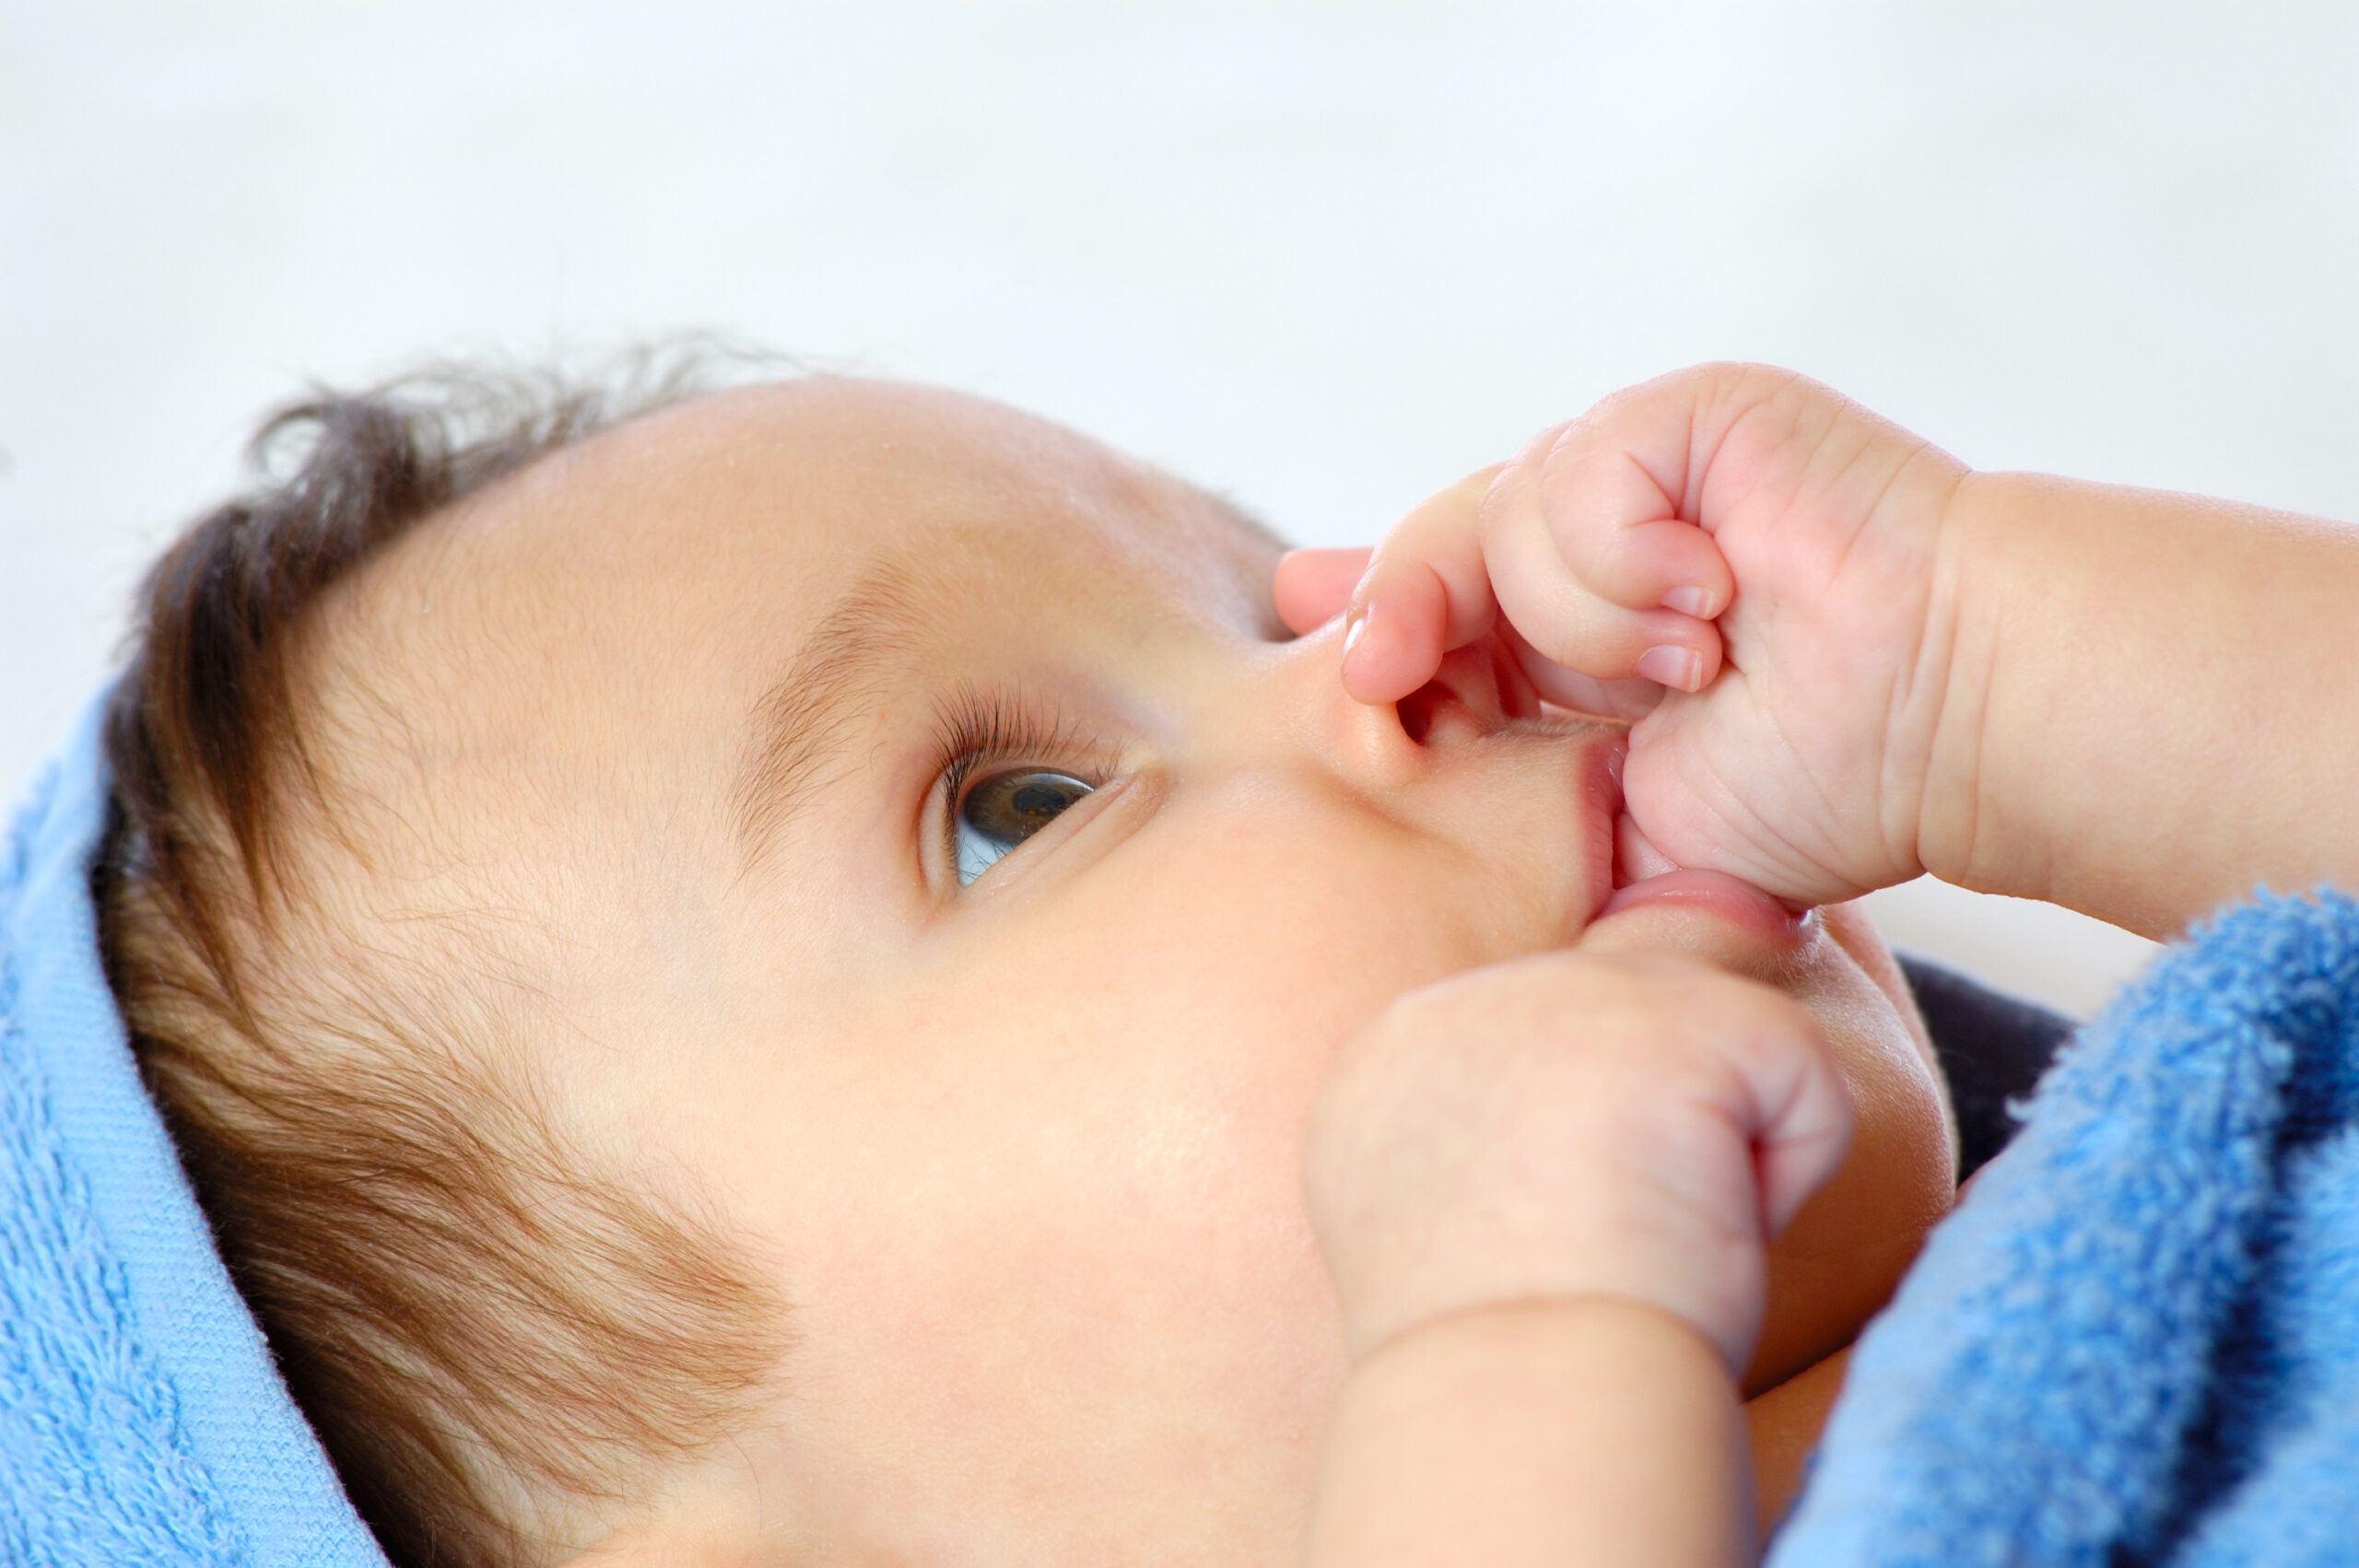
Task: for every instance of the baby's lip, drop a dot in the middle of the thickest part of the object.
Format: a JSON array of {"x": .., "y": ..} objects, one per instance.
[{"x": 1716, "y": 895}]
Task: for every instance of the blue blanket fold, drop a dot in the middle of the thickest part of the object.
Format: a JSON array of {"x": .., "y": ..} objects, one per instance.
[
  {"x": 2138, "y": 1339},
  {"x": 2137, "y": 1342},
  {"x": 141, "y": 1419}
]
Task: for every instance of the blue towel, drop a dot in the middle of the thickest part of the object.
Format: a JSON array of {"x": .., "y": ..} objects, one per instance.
[
  {"x": 141, "y": 1419},
  {"x": 2137, "y": 1342}
]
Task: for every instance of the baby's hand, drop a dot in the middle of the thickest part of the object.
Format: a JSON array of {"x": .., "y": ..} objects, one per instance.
[
  {"x": 1570, "y": 1126},
  {"x": 1738, "y": 559}
]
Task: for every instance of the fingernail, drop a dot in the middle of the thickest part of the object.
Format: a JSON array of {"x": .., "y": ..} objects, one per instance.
[
  {"x": 1354, "y": 626},
  {"x": 1679, "y": 668},
  {"x": 1689, "y": 602}
]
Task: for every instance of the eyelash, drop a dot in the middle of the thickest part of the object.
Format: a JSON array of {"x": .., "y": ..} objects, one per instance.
[{"x": 976, "y": 729}]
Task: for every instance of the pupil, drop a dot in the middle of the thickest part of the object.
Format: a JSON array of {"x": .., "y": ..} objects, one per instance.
[{"x": 1039, "y": 801}]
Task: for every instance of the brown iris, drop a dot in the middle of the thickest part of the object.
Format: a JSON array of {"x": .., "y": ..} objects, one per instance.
[{"x": 1008, "y": 808}]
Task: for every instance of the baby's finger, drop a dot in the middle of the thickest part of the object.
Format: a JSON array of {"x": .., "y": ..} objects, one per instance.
[
  {"x": 1808, "y": 1131},
  {"x": 1788, "y": 1098},
  {"x": 1312, "y": 587},
  {"x": 1398, "y": 634},
  {"x": 1571, "y": 625},
  {"x": 1425, "y": 591},
  {"x": 1618, "y": 530},
  {"x": 1625, "y": 702}
]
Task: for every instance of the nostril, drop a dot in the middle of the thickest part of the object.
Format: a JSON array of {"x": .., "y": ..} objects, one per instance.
[
  {"x": 1417, "y": 710},
  {"x": 1472, "y": 695},
  {"x": 1437, "y": 707}
]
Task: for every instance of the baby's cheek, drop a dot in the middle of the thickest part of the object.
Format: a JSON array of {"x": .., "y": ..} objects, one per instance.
[{"x": 1853, "y": 931}]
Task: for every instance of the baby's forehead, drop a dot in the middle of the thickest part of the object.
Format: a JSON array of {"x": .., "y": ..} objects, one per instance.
[
  {"x": 801, "y": 486},
  {"x": 782, "y": 494},
  {"x": 639, "y": 593}
]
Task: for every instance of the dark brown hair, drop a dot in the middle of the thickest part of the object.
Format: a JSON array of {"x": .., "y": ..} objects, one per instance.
[{"x": 490, "y": 1332}]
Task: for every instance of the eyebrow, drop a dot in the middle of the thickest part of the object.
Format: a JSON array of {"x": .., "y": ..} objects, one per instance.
[{"x": 800, "y": 725}]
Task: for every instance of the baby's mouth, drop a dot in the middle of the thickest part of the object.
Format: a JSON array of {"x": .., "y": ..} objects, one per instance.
[
  {"x": 1633, "y": 879},
  {"x": 1645, "y": 878}
]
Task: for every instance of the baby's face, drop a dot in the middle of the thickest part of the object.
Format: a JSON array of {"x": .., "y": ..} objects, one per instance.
[{"x": 734, "y": 691}]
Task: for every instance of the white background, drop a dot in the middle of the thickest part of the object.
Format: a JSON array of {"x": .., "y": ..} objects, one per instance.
[{"x": 1322, "y": 257}]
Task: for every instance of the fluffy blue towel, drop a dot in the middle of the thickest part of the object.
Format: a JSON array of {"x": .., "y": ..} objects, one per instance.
[
  {"x": 2137, "y": 1342},
  {"x": 2138, "y": 1339},
  {"x": 141, "y": 1420}
]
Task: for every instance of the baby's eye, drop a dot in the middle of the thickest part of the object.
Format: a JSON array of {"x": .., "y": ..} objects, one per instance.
[{"x": 1004, "y": 810}]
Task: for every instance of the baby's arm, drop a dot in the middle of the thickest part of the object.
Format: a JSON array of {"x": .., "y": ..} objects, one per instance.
[
  {"x": 1546, "y": 1236},
  {"x": 2155, "y": 705},
  {"x": 1869, "y": 662},
  {"x": 1591, "y": 1432}
]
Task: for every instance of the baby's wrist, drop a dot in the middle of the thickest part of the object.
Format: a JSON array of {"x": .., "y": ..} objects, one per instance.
[
  {"x": 1546, "y": 1326},
  {"x": 1580, "y": 1429},
  {"x": 1971, "y": 830}
]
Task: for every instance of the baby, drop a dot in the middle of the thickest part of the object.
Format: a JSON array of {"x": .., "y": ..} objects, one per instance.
[{"x": 765, "y": 976}]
